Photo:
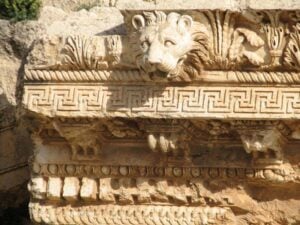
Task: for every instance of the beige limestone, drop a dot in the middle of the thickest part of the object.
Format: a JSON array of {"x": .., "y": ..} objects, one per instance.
[
  {"x": 234, "y": 5},
  {"x": 38, "y": 187},
  {"x": 16, "y": 40},
  {"x": 158, "y": 112},
  {"x": 54, "y": 188},
  {"x": 71, "y": 188},
  {"x": 88, "y": 189},
  {"x": 190, "y": 113}
]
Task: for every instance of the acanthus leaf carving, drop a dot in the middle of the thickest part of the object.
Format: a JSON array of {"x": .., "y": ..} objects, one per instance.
[
  {"x": 194, "y": 44},
  {"x": 292, "y": 52},
  {"x": 227, "y": 45},
  {"x": 79, "y": 54},
  {"x": 111, "y": 97},
  {"x": 82, "y": 53},
  {"x": 276, "y": 38}
]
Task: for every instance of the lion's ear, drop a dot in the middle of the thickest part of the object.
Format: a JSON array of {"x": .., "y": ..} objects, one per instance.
[
  {"x": 185, "y": 23},
  {"x": 138, "y": 21}
]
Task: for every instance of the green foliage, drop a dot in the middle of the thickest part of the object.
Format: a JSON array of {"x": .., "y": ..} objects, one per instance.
[
  {"x": 19, "y": 9},
  {"x": 89, "y": 5}
]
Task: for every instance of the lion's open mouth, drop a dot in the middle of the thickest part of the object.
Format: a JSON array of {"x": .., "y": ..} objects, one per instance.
[
  {"x": 158, "y": 74},
  {"x": 175, "y": 72},
  {"x": 170, "y": 73}
]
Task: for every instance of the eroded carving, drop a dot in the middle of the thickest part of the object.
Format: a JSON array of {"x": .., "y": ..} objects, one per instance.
[
  {"x": 124, "y": 139},
  {"x": 125, "y": 215},
  {"x": 169, "y": 45},
  {"x": 276, "y": 36},
  {"x": 168, "y": 136},
  {"x": 292, "y": 52},
  {"x": 227, "y": 43},
  {"x": 84, "y": 141},
  {"x": 79, "y": 54},
  {"x": 263, "y": 144},
  {"x": 264, "y": 141},
  {"x": 273, "y": 173}
]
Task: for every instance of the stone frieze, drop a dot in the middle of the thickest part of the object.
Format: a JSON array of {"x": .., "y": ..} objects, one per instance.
[
  {"x": 161, "y": 101},
  {"x": 159, "y": 125},
  {"x": 179, "y": 46}
]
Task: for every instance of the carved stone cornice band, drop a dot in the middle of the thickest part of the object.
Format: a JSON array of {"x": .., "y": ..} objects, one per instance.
[
  {"x": 139, "y": 128},
  {"x": 115, "y": 76},
  {"x": 162, "y": 101}
]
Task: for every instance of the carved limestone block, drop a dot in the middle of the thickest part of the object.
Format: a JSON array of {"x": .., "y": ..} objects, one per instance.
[
  {"x": 168, "y": 136},
  {"x": 144, "y": 215},
  {"x": 130, "y": 100},
  {"x": 169, "y": 45},
  {"x": 291, "y": 55},
  {"x": 38, "y": 187},
  {"x": 149, "y": 127},
  {"x": 88, "y": 190},
  {"x": 77, "y": 53},
  {"x": 180, "y": 46},
  {"x": 83, "y": 139},
  {"x": 105, "y": 191},
  {"x": 54, "y": 188},
  {"x": 265, "y": 144},
  {"x": 143, "y": 189},
  {"x": 276, "y": 34},
  {"x": 71, "y": 188}
]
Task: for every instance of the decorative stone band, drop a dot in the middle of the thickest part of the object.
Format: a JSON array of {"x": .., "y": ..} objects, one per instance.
[
  {"x": 132, "y": 190},
  {"x": 159, "y": 101},
  {"x": 277, "y": 173},
  {"x": 260, "y": 77},
  {"x": 86, "y": 76},
  {"x": 128, "y": 215}
]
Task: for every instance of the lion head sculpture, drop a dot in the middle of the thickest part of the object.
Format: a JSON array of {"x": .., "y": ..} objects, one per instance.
[{"x": 169, "y": 45}]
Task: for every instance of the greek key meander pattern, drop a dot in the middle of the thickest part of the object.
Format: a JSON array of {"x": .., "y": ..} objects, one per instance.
[
  {"x": 131, "y": 215},
  {"x": 162, "y": 101}
]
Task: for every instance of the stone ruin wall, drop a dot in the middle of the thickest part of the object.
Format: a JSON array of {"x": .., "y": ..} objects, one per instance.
[{"x": 152, "y": 112}]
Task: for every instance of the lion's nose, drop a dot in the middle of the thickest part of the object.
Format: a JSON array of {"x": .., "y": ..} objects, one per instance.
[
  {"x": 154, "y": 61},
  {"x": 153, "y": 64}
]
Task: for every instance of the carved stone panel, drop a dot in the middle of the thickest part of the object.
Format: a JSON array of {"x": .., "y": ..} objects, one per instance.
[{"x": 189, "y": 118}]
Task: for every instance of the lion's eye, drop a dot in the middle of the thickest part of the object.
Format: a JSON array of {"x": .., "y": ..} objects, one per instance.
[
  {"x": 145, "y": 44},
  {"x": 169, "y": 43}
]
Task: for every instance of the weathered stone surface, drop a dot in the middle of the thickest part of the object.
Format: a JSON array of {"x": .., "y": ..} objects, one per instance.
[
  {"x": 15, "y": 143},
  {"x": 96, "y": 21},
  {"x": 16, "y": 42},
  {"x": 159, "y": 112},
  {"x": 234, "y": 5}
]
